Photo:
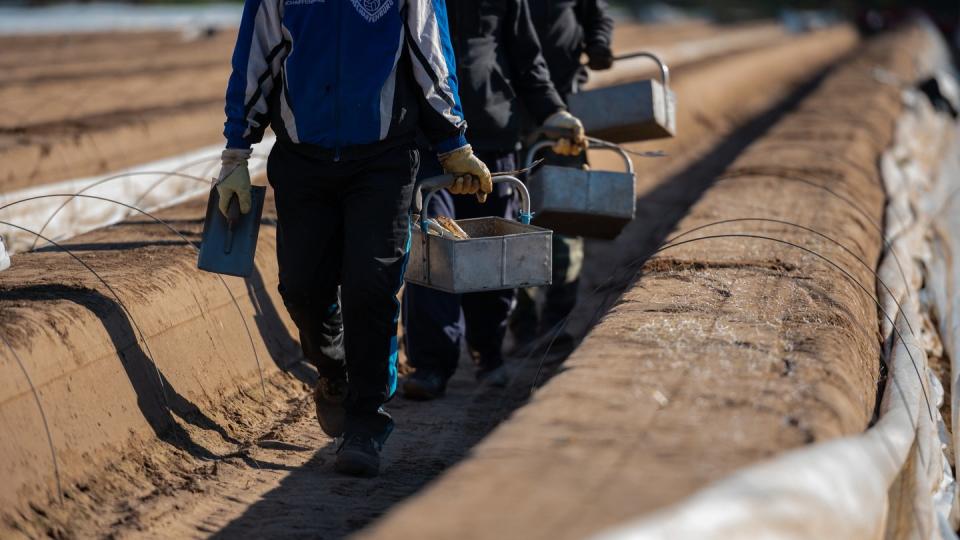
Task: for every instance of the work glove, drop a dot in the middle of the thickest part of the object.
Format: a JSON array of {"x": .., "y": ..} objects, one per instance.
[
  {"x": 470, "y": 175},
  {"x": 562, "y": 121},
  {"x": 600, "y": 57},
  {"x": 234, "y": 178}
]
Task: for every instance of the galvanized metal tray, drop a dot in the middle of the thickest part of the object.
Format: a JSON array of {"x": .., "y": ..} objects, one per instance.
[
  {"x": 577, "y": 202},
  {"x": 500, "y": 254},
  {"x": 229, "y": 243},
  {"x": 637, "y": 111}
]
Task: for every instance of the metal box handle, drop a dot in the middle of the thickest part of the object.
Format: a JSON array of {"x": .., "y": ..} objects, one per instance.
[
  {"x": 436, "y": 183},
  {"x": 664, "y": 68},
  {"x": 594, "y": 143},
  {"x": 664, "y": 74}
]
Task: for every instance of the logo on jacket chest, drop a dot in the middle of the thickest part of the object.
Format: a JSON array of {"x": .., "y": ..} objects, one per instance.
[{"x": 372, "y": 10}]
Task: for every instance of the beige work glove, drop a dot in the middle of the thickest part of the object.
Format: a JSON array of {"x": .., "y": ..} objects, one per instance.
[
  {"x": 234, "y": 178},
  {"x": 470, "y": 175},
  {"x": 564, "y": 121}
]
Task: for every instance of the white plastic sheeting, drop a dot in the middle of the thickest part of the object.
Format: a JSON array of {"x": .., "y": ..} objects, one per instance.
[
  {"x": 103, "y": 17},
  {"x": 923, "y": 495},
  {"x": 894, "y": 481},
  {"x": 939, "y": 201},
  {"x": 922, "y": 174},
  {"x": 943, "y": 273},
  {"x": 149, "y": 187},
  {"x": 4, "y": 257},
  {"x": 836, "y": 489}
]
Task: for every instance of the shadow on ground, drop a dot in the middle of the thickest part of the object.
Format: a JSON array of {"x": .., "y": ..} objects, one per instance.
[
  {"x": 432, "y": 437},
  {"x": 157, "y": 398}
]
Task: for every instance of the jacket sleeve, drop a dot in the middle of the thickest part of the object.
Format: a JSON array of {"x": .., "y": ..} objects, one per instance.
[
  {"x": 257, "y": 60},
  {"x": 427, "y": 36},
  {"x": 594, "y": 16},
  {"x": 529, "y": 75}
]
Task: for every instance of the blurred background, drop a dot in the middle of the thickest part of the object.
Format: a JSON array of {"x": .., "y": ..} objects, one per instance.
[
  {"x": 33, "y": 16},
  {"x": 41, "y": 16},
  {"x": 660, "y": 11},
  {"x": 870, "y": 15}
]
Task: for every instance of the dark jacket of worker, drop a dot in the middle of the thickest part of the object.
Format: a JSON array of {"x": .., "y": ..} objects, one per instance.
[
  {"x": 499, "y": 63},
  {"x": 566, "y": 29}
]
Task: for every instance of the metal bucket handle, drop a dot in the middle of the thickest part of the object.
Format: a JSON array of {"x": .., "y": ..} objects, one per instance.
[
  {"x": 593, "y": 143},
  {"x": 664, "y": 73},
  {"x": 437, "y": 183},
  {"x": 664, "y": 69}
]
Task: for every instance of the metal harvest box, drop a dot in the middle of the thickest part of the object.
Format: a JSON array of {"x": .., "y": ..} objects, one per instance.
[
  {"x": 500, "y": 254},
  {"x": 577, "y": 202},
  {"x": 636, "y": 111}
]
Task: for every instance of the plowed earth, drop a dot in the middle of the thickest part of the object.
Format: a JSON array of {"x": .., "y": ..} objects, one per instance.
[
  {"x": 72, "y": 106},
  {"x": 236, "y": 469},
  {"x": 722, "y": 351}
]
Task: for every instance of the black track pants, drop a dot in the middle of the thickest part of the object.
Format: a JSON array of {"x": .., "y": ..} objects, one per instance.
[
  {"x": 346, "y": 225},
  {"x": 561, "y": 297}
]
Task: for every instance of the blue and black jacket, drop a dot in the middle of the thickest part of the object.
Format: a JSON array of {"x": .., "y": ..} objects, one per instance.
[{"x": 344, "y": 77}]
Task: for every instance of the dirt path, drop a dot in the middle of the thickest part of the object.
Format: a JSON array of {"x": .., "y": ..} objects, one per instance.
[
  {"x": 720, "y": 353},
  {"x": 230, "y": 467},
  {"x": 712, "y": 134},
  {"x": 288, "y": 489},
  {"x": 262, "y": 474}
]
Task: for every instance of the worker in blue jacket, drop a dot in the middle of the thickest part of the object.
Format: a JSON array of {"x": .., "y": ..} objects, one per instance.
[
  {"x": 345, "y": 84},
  {"x": 502, "y": 73}
]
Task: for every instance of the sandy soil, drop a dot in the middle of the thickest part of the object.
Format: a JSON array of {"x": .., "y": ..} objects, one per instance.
[
  {"x": 634, "y": 37},
  {"x": 250, "y": 472},
  {"x": 130, "y": 460},
  {"x": 77, "y": 105},
  {"x": 265, "y": 474},
  {"x": 72, "y": 106},
  {"x": 60, "y": 64},
  {"x": 720, "y": 353}
]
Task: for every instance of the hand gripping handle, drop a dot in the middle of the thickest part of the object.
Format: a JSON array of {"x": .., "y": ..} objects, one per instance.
[
  {"x": 594, "y": 143},
  {"x": 436, "y": 183}
]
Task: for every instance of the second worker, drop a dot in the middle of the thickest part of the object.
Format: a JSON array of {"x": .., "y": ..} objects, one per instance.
[{"x": 502, "y": 73}]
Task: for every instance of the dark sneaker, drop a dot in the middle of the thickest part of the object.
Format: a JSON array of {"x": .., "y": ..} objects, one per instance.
[
  {"x": 424, "y": 385},
  {"x": 329, "y": 395},
  {"x": 358, "y": 455},
  {"x": 495, "y": 378}
]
